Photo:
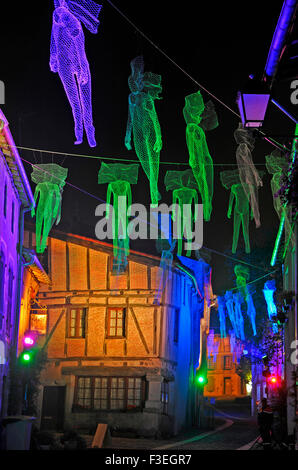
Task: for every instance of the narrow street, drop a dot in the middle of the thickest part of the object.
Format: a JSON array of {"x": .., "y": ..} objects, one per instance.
[{"x": 239, "y": 429}]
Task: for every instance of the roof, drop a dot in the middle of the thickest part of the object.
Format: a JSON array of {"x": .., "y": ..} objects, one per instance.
[
  {"x": 10, "y": 153},
  {"x": 133, "y": 255},
  {"x": 32, "y": 262}
]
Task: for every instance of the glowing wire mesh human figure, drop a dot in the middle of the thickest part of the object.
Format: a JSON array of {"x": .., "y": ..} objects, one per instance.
[
  {"x": 165, "y": 267},
  {"x": 249, "y": 177},
  {"x": 212, "y": 346},
  {"x": 276, "y": 165},
  {"x": 143, "y": 122},
  {"x": 238, "y": 316},
  {"x": 50, "y": 179},
  {"x": 222, "y": 316},
  {"x": 68, "y": 58},
  {"x": 230, "y": 180},
  {"x": 251, "y": 311},
  {"x": 242, "y": 276},
  {"x": 268, "y": 291},
  {"x": 184, "y": 186},
  {"x": 199, "y": 119},
  {"x": 229, "y": 299},
  {"x": 119, "y": 176}
]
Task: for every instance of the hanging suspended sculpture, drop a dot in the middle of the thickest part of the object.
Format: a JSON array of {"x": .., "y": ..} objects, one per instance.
[
  {"x": 200, "y": 118},
  {"x": 229, "y": 300},
  {"x": 49, "y": 179},
  {"x": 268, "y": 291},
  {"x": 277, "y": 165},
  {"x": 249, "y": 177},
  {"x": 119, "y": 176},
  {"x": 251, "y": 312},
  {"x": 166, "y": 247},
  {"x": 68, "y": 59},
  {"x": 183, "y": 185},
  {"x": 242, "y": 276},
  {"x": 143, "y": 122},
  {"x": 230, "y": 180},
  {"x": 222, "y": 316},
  {"x": 212, "y": 346},
  {"x": 238, "y": 316},
  {"x": 236, "y": 347}
]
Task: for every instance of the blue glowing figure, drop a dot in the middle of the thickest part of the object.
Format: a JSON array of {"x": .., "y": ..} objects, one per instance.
[
  {"x": 222, "y": 316},
  {"x": 231, "y": 310},
  {"x": 268, "y": 291},
  {"x": 251, "y": 312},
  {"x": 68, "y": 59},
  {"x": 164, "y": 272},
  {"x": 238, "y": 316},
  {"x": 212, "y": 346}
]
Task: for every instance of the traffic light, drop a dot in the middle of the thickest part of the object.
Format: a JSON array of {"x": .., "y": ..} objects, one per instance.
[
  {"x": 201, "y": 379},
  {"x": 27, "y": 355}
]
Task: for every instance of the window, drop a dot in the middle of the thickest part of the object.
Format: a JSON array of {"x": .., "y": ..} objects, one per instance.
[
  {"x": 176, "y": 326},
  {"x": 5, "y": 200},
  {"x": 12, "y": 217},
  {"x": 2, "y": 283},
  {"x": 77, "y": 320},
  {"x": 211, "y": 384},
  {"x": 211, "y": 363},
  {"x": 9, "y": 301},
  {"x": 116, "y": 323},
  {"x": 109, "y": 393},
  {"x": 164, "y": 398},
  {"x": 227, "y": 362}
]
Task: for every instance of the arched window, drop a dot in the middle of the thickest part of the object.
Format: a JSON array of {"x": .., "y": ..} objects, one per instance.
[{"x": 2, "y": 283}]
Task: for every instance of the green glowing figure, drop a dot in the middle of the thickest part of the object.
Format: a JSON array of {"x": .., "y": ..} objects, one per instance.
[
  {"x": 50, "y": 179},
  {"x": 277, "y": 165},
  {"x": 200, "y": 119},
  {"x": 242, "y": 276},
  {"x": 120, "y": 177},
  {"x": 230, "y": 180},
  {"x": 184, "y": 187},
  {"x": 143, "y": 122}
]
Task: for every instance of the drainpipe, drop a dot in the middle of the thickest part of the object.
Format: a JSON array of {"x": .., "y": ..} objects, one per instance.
[
  {"x": 280, "y": 33},
  {"x": 19, "y": 279}
]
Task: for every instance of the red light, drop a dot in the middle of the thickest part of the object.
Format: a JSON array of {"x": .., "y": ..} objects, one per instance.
[{"x": 273, "y": 380}]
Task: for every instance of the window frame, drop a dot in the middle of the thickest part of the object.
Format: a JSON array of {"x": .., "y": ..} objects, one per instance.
[
  {"x": 164, "y": 396},
  {"x": 2, "y": 285},
  {"x": 126, "y": 408},
  {"x": 12, "y": 216},
  {"x": 230, "y": 361},
  {"x": 176, "y": 326},
  {"x": 108, "y": 323},
  {"x": 77, "y": 322},
  {"x": 211, "y": 361},
  {"x": 10, "y": 286},
  {"x": 5, "y": 201}
]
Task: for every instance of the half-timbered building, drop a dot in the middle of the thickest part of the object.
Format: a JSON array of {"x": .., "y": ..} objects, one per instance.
[{"x": 115, "y": 355}]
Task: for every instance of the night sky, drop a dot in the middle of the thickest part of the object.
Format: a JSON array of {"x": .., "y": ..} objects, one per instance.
[{"x": 218, "y": 43}]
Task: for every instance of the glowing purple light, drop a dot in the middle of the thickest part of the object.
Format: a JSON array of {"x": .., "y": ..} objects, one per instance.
[{"x": 28, "y": 341}]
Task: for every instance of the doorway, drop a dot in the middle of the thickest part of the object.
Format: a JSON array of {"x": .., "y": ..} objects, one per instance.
[
  {"x": 52, "y": 416},
  {"x": 227, "y": 386}
]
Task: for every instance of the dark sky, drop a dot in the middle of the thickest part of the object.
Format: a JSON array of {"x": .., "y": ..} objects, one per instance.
[{"x": 218, "y": 43}]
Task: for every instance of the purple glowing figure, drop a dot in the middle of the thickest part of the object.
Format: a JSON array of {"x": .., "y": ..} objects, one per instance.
[{"x": 68, "y": 58}]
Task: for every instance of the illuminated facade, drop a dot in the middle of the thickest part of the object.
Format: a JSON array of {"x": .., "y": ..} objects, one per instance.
[
  {"x": 15, "y": 199},
  {"x": 113, "y": 355},
  {"x": 223, "y": 382}
]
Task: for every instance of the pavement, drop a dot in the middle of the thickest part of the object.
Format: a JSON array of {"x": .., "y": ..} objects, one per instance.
[{"x": 234, "y": 429}]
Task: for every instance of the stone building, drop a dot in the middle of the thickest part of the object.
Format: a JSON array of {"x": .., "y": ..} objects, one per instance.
[
  {"x": 223, "y": 381},
  {"x": 114, "y": 355},
  {"x": 15, "y": 199}
]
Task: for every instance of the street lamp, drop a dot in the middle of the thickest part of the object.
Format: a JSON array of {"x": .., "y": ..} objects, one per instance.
[{"x": 252, "y": 102}]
